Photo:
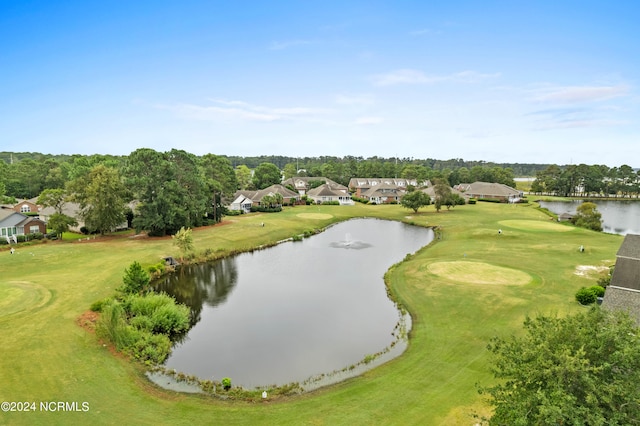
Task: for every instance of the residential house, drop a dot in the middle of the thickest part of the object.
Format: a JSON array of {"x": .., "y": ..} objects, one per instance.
[
  {"x": 241, "y": 203},
  {"x": 623, "y": 292},
  {"x": 27, "y": 206},
  {"x": 330, "y": 192},
  {"x": 72, "y": 209},
  {"x": 303, "y": 184},
  {"x": 68, "y": 209},
  {"x": 15, "y": 223},
  {"x": 491, "y": 191},
  {"x": 243, "y": 197},
  {"x": 361, "y": 185},
  {"x": 430, "y": 191},
  {"x": 384, "y": 194}
]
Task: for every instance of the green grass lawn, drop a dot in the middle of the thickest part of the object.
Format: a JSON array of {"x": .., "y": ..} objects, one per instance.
[{"x": 46, "y": 356}]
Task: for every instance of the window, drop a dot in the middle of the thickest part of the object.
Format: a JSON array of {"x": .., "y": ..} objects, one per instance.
[
  {"x": 25, "y": 208},
  {"x": 34, "y": 229}
]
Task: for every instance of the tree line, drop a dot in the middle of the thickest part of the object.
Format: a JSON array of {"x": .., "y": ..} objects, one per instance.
[
  {"x": 26, "y": 174},
  {"x": 588, "y": 181},
  {"x": 161, "y": 192}
]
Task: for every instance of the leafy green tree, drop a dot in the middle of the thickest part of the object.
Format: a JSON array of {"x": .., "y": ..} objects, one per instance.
[
  {"x": 243, "y": 176},
  {"x": 219, "y": 174},
  {"x": 55, "y": 198},
  {"x": 183, "y": 239},
  {"x": 414, "y": 200},
  {"x": 135, "y": 279},
  {"x": 266, "y": 174},
  {"x": 290, "y": 170},
  {"x": 443, "y": 194},
  {"x": 60, "y": 223},
  {"x": 101, "y": 198},
  {"x": 582, "y": 369},
  {"x": 588, "y": 216},
  {"x": 170, "y": 189}
]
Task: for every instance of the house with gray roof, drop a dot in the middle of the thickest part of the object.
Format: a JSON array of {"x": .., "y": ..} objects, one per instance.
[
  {"x": 242, "y": 198},
  {"x": 491, "y": 191},
  {"x": 361, "y": 185},
  {"x": 302, "y": 184},
  {"x": 384, "y": 194},
  {"x": 15, "y": 223},
  {"x": 431, "y": 192},
  {"x": 624, "y": 290},
  {"x": 330, "y": 193}
]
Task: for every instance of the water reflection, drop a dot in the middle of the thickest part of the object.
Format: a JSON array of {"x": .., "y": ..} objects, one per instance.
[
  {"x": 296, "y": 310},
  {"x": 199, "y": 285},
  {"x": 618, "y": 217}
]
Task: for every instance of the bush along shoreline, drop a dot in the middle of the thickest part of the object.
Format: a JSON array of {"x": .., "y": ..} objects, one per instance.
[{"x": 140, "y": 322}]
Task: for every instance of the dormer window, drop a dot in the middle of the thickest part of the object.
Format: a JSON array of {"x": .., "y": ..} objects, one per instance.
[{"x": 25, "y": 208}]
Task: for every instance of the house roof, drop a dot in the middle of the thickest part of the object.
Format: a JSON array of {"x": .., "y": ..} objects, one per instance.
[
  {"x": 630, "y": 247},
  {"x": 69, "y": 209},
  {"x": 241, "y": 199},
  {"x": 273, "y": 189},
  {"x": 381, "y": 190},
  {"x": 399, "y": 182},
  {"x": 430, "y": 191},
  {"x": 623, "y": 293},
  {"x": 328, "y": 190},
  {"x": 11, "y": 218},
  {"x": 28, "y": 220},
  {"x": 489, "y": 189},
  {"x": 626, "y": 274},
  {"x": 302, "y": 182}
]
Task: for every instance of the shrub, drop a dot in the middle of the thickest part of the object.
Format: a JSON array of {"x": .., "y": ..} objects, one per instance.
[
  {"x": 331, "y": 203},
  {"x": 99, "y": 304},
  {"x": 142, "y": 322},
  {"x": 606, "y": 280},
  {"x": 163, "y": 315},
  {"x": 234, "y": 213},
  {"x": 135, "y": 279},
  {"x": 266, "y": 209},
  {"x": 597, "y": 290},
  {"x": 149, "y": 347},
  {"x": 112, "y": 325},
  {"x": 586, "y": 296},
  {"x": 170, "y": 319},
  {"x": 226, "y": 383}
]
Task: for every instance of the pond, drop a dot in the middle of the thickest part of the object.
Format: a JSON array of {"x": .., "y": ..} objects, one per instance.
[
  {"x": 298, "y": 310},
  {"x": 618, "y": 217}
]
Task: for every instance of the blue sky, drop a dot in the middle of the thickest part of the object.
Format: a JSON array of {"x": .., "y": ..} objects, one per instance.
[{"x": 504, "y": 81}]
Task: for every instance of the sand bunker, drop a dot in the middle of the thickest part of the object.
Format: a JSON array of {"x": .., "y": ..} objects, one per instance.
[
  {"x": 18, "y": 296},
  {"x": 478, "y": 273},
  {"x": 536, "y": 225},
  {"x": 590, "y": 270},
  {"x": 314, "y": 215}
]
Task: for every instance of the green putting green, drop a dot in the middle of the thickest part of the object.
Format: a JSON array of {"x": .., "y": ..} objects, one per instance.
[
  {"x": 478, "y": 273},
  {"x": 536, "y": 225},
  {"x": 314, "y": 215},
  {"x": 20, "y": 296}
]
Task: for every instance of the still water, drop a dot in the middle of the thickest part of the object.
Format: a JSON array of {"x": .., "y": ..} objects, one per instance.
[
  {"x": 618, "y": 217},
  {"x": 296, "y": 310}
]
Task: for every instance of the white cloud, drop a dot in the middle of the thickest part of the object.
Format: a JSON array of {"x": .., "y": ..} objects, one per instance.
[
  {"x": 580, "y": 94},
  {"x": 240, "y": 110},
  {"x": 411, "y": 76}
]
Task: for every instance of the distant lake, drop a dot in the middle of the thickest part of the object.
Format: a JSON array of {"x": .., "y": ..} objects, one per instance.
[
  {"x": 296, "y": 310},
  {"x": 618, "y": 217}
]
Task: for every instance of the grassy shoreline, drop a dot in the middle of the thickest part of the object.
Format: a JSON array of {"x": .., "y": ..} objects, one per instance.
[{"x": 48, "y": 357}]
